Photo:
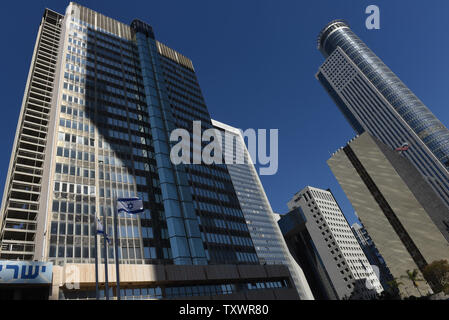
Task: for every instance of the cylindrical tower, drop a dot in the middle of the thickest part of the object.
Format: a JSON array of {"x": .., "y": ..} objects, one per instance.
[{"x": 420, "y": 119}]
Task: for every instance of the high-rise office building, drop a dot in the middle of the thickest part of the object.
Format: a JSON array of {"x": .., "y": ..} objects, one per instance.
[
  {"x": 372, "y": 254},
  {"x": 265, "y": 233},
  {"x": 374, "y": 99},
  {"x": 320, "y": 238},
  {"x": 101, "y": 101},
  {"x": 401, "y": 212}
]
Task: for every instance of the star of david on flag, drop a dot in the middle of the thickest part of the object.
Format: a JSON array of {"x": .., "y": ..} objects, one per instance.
[{"x": 130, "y": 205}]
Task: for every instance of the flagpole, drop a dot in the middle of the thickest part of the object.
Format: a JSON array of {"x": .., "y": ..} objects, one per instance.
[
  {"x": 106, "y": 286},
  {"x": 97, "y": 292},
  {"x": 116, "y": 242}
]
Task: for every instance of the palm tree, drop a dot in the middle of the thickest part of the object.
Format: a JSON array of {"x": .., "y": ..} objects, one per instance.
[
  {"x": 413, "y": 276},
  {"x": 393, "y": 286}
]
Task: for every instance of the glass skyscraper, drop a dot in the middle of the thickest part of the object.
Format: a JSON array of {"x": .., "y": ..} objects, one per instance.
[
  {"x": 101, "y": 100},
  {"x": 374, "y": 99},
  {"x": 265, "y": 233}
]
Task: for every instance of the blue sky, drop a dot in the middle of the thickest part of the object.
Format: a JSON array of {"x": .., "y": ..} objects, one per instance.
[{"x": 256, "y": 62}]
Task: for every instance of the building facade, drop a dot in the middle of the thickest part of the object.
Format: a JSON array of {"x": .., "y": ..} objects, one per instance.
[
  {"x": 300, "y": 244},
  {"x": 403, "y": 215},
  {"x": 373, "y": 99},
  {"x": 265, "y": 233},
  {"x": 321, "y": 240},
  {"x": 101, "y": 100},
  {"x": 372, "y": 254}
]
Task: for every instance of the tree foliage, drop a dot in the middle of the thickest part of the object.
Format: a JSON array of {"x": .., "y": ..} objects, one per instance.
[{"x": 437, "y": 273}]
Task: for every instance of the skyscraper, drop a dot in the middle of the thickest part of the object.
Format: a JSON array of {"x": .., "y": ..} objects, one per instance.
[
  {"x": 265, "y": 233},
  {"x": 321, "y": 239},
  {"x": 403, "y": 215},
  {"x": 374, "y": 99},
  {"x": 101, "y": 100}
]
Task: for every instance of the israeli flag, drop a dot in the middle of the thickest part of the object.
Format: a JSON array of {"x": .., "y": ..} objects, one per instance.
[
  {"x": 100, "y": 229},
  {"x": 130, "y": 205}
]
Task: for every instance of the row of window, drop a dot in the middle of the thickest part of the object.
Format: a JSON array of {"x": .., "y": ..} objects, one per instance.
[
  {"x": 109, "y": 71},
  {"x": 247, "y": 257},
  {"x": 121, "y": 193},
  {"x": 73, "y": 154},
  {"x": 114, "y": 61},
  {"x": 122, "y": 112},
  {"x": 73, "y": 99},
  {"x": 208, "y": 181},
  {"x": 74, "y": 112},
  {"x": 73, "y": 138},
  {"x": 170, "y": 292},
  {"x": 216, "y": 238},
  {"x": 74, "y": 188},
  {"x": 76, "y": 125},
  {"x": 187, "y": 74},
  {"x": 217, "y": 209},
  {"x": 71, "y": 207},
  {"x": 76, "y": 50},
  {"x": 129, "y": 81},
  {"x": 209, "y": 171},
  {"x": 74, "y": 77},
  {"x": 211, "y": 194},
  {"x": 219, "y": 223}
]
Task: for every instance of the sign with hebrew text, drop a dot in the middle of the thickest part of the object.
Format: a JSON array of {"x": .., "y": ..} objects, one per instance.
[{"x": 25, "y": 272}]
